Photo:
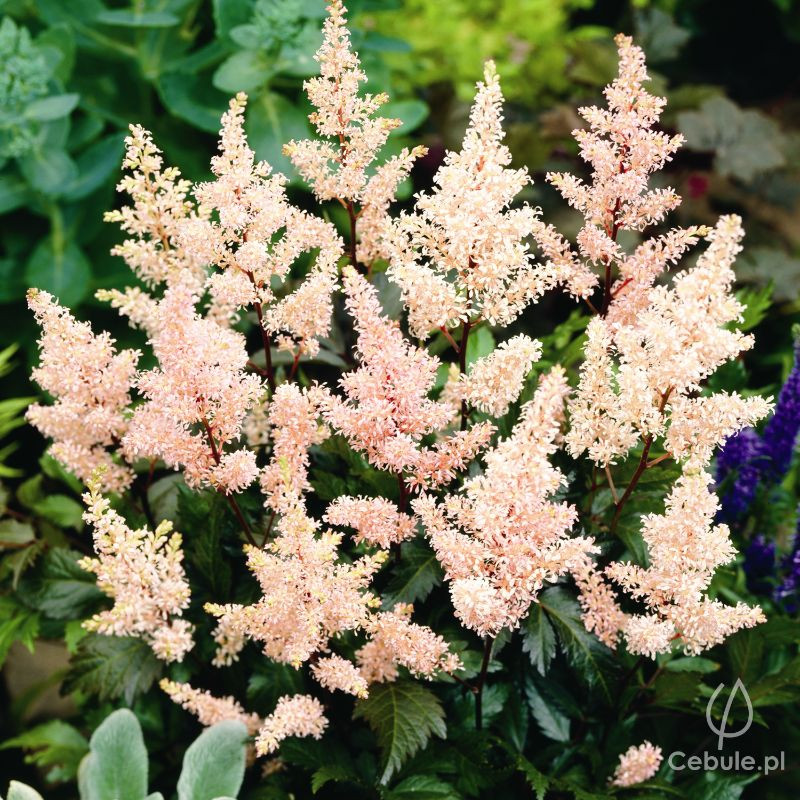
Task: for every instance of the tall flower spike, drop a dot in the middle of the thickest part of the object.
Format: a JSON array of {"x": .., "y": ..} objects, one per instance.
[
  {"x": 462, "y": 252},
  {"x": 640, "y": 378},
  {"x": 684, "y": 550},
  {"x": 195, "y": 399},
  {"x": 143, "y": 573},
  {"x": 498, "y": 547},
  {"x": 386, "y": 410},
  {"x": 91, "y": 382},
  {"x": 623, "y": 150},
  {"x": 257, "y": 237},
  {"x": 351, "y": 136},
  {"x": 159, "y": 207}
]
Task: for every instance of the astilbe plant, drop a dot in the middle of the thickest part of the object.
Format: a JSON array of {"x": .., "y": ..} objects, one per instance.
[{"x": 469, "y": 466}]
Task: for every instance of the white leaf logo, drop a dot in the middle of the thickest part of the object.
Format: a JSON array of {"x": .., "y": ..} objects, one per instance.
[{"x": 722, "y": 731}]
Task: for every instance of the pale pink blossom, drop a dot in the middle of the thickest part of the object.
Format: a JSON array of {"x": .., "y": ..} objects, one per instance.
[
  {"x": 685, "y": 548},
  {"x": 376, "y": 520},
  {"x": 637, "y": 764},
  {"x": 196, "y": 398},
  {"x": 293, "y": 418},
  {"x": 495, "y": 381},
  {"x": 91, "y": 382},
  {"x": 395, "y": 641},
  {"x": 337, "y": 673},
  {"x": 350, "y": 130},
  {"x": 294, "y": 715},
  {"x": 386, "y": 409},
  {"x": 499, "y": 545},
  {"x": 466, "y": 229},
  {"x": 143, "y": 573}
]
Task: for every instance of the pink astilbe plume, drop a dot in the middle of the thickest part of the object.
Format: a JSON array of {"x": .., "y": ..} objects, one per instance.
[
  {"x": 143, "y": 572},
  {"x": 295, "y": 427},
  {"x": 159, "y": 206},
  {"x": 395, "y": 642},
  {"x": 685, "y": 548},
  {"x": 502, "y": 537},
  {"x": 375, "y": 519},
  {"x": 386, "y": 410},
  {"x": 462, "y": 252},
  {"x": 209, "y": 709},
  {"x": 351, "y": 134},
  {"x": 91, "y": 384},
  {"x": 255, "y": 237},
  {"x": 308, "y": 594},
  {"x": 294, "y": 715},
  {"x": 637, "y": 764},
  {"x": 195, "y": 399},
  {"x": 337, "y": 673},
  {"x": 648, "y": 354},
  {"x": 495, "y": 381},
  {"x": 623, "y": 151}
]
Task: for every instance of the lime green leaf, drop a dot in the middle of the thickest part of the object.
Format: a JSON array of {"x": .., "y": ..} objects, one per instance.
[
  {"x": 61, "y": 510},
  {"x": 538, "y": 781},
  {"x": 53, "y": 107},
  {"x": 48, "y": 169},
  {"x": 271, "y": 122},
  {"x": 422, "y": 787},
  {"x": 692, "y": 664},
  {"x": 116, "y": 767},
  {"x": 192, "y": 99},
  {"x": 64, "y": 272},
  {"x": 412, "y": 113},
  {"x": 14, "y": 533},
  {"x": 403, "y": 715},
  {"x": 55, "y": 746},
  {"x": 112, "y": 666},
  {"x": 756, "y": 301},
  {"x": 242, "y": 72},
  {"x": 480, "y": 343},
  {"x": 126, "y": 18},
  {"x": 96, "y": 164},
  {"x": 214, "y": 763},
  {"x": 17, "y": 624}
]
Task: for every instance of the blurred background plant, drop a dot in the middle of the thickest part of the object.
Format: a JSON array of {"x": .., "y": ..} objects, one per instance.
[{"x": 75, "y": 73}]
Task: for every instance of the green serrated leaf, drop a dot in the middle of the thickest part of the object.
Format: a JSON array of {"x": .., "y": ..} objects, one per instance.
[
  {"x": 403, "y": 715},
  {"x": 538, "y": 781},
  {"x": 592, "y": 660},
  {"x": 552, "y": 723},
  {"x": 415, "y": 577},
  {"x": 539, "y": 638},
  {"x": 422, "y": 787},
  {"x": 214, "y": 763},
  {"x": 59, "y": 587},
  {"x": 112, "y": 666}
]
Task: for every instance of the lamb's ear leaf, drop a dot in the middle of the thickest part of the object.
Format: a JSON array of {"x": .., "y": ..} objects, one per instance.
[
  {"x": 117, "y": 762},
  {"x": 21, "y": 791},
  {"x": 213, "y": 766}
]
